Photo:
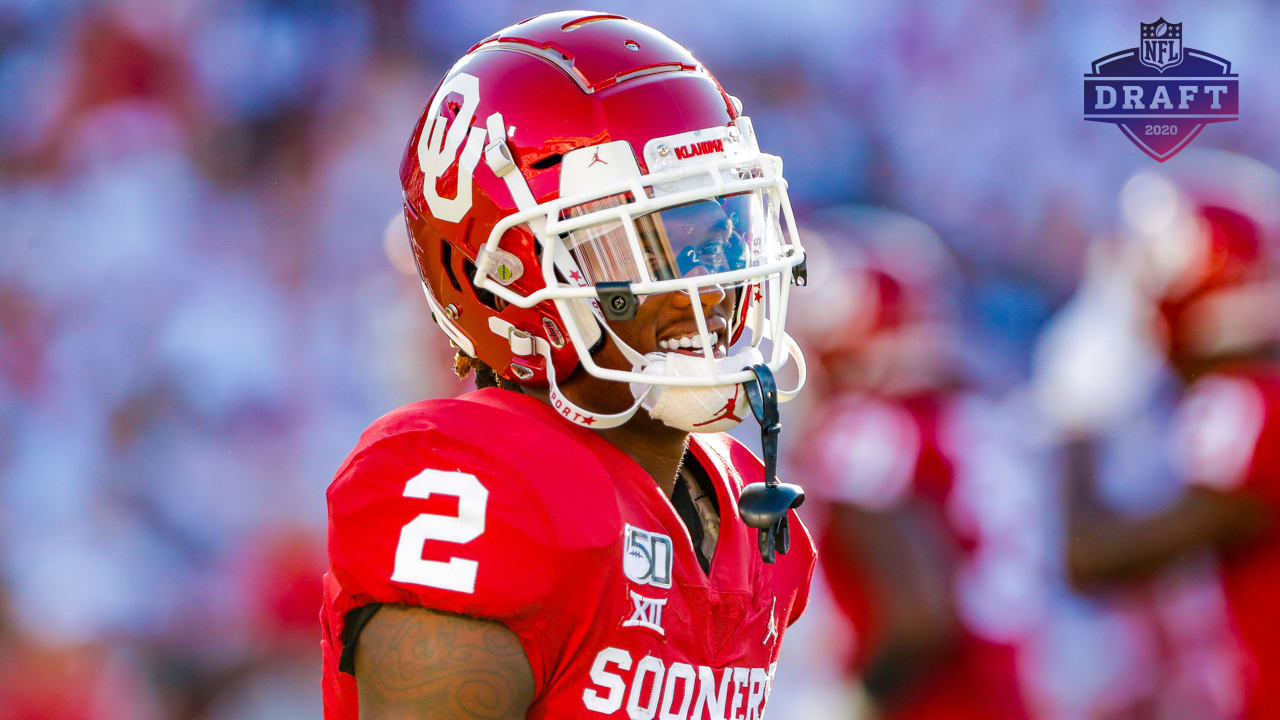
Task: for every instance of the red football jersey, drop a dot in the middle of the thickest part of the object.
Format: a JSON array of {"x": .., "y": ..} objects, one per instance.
[
  {"x": 1227, "y": 437},
  {"x": 875, "y": 453},
  {"x": 492, "y": 505}
]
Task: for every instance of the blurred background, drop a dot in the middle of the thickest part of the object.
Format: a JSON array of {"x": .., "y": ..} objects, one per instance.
[{"x": 203, "y": 302}]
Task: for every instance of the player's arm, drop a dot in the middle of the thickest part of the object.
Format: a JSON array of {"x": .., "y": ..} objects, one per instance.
[
  {"x": 908, "y": 558},
  {"x": 865, "y": 463},
  {"x": 414, "y": 663},
  {"x": 1104, "y": 546}
]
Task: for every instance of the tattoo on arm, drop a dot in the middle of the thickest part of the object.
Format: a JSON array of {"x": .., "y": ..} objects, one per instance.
[{"x": 417, "y": 663}]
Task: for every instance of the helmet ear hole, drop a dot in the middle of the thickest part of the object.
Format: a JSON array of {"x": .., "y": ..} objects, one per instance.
[
  {"x": 446, "y": 262},
  {"x": 486, "y": 298},
  {"x": 549, "y": 161}
]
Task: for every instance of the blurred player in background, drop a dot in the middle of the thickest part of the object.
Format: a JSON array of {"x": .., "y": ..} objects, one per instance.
[
  {"x": 595, "y": 228},
  {"x": 905, "y": 539},
  {"x": 1199, "y": 265}
]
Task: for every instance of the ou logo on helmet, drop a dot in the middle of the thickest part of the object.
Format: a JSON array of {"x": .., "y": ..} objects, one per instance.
[{"x": 437, "y": 148}]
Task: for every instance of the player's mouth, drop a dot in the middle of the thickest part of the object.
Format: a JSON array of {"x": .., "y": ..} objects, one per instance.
[{"x": 690, "y": 343}]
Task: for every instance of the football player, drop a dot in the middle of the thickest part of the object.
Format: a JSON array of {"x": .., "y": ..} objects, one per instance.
[
  {"x": 889, "y": 452},
  {"x": 1201, "y": 255},
  {"x": 557, "y": 544}
]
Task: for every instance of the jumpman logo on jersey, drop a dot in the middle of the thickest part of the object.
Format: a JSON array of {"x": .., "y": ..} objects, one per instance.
[
  {"x": 726, "y": 412},
  {"x": 773, "y": 623},
  {"x": 596, "y": 159}
]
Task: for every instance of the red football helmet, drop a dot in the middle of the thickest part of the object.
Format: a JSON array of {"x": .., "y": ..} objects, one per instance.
[
  {"x": 573, "y": 164},
  {"x": 1206, "y": 229},
  {"x": 875, "y": 312}
]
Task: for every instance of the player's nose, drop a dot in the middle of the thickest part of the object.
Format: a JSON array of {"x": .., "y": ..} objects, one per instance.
[{"x": 709, "y": 297}]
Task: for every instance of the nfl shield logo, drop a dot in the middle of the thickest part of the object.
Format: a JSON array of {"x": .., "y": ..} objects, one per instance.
[
  {"x": 1161, "y": 46},
  {"x": 1161, "y": 94}
]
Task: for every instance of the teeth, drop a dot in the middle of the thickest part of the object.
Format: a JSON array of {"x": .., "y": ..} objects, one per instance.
[{"x": 687, "y": 342}]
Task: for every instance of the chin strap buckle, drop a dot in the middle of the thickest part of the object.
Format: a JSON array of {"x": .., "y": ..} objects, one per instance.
[{"x": 764, "y": 505}]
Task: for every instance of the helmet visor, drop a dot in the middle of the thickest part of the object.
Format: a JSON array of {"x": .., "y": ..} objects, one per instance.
[{"x": 707, "y": 237}]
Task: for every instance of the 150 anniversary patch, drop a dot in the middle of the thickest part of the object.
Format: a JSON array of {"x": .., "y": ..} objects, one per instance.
[{"x": 1160, "y": 94}]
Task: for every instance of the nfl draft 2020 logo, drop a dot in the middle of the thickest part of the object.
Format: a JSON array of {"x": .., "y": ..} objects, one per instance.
[{"x": 1161, "y": 94}]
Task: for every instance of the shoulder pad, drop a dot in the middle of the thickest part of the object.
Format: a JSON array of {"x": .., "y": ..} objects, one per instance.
[
  {"x": 426, "y": 517},
  {"x": 463, "y": 507}
]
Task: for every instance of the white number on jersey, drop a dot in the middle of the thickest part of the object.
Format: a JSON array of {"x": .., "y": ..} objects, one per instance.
[{"x": 456, "y": 574}]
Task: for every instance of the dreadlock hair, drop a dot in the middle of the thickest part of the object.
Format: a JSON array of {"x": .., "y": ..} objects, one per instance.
[{"x": 486, "y": 377}]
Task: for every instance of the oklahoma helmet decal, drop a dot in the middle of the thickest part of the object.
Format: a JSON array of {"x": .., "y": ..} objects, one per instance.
[{"x": 588, "y": 189}]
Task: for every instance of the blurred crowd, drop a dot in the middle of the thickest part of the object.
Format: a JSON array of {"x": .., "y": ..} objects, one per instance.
[{"x": 202, "y": 304}]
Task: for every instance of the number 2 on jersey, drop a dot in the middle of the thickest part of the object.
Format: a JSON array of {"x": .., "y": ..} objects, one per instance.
[{"x": 456, "y": 574}]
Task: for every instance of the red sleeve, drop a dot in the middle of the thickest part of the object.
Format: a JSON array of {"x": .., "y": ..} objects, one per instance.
[{"x": 421, "y": 518}]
